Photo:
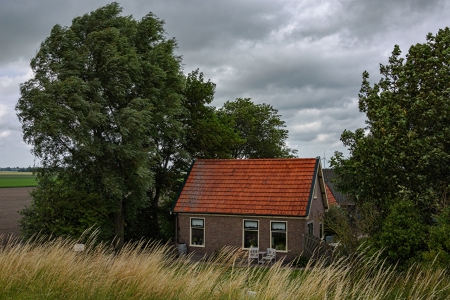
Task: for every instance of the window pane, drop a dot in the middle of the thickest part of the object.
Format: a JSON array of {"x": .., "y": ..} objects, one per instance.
[
  {"x": 197, "y": 223},
  {"x": 250, "y": 238},
  {"x": 279, "y": 240},
  {"x": 197, "y": 236},
  {"x": 251, "y": 225},
  {"x": 278, "y": 235},
  {"x": 279, "y": 226}
]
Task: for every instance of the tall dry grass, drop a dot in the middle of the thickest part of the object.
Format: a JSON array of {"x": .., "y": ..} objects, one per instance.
[{"x": 52, "y": 270}]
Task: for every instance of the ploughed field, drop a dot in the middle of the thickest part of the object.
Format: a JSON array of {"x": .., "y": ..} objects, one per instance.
[{"x": 12, "y": 200}]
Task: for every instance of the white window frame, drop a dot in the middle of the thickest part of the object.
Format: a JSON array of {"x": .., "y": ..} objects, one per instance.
[
  {"x": 190, "y": 232},
  {"x": 243, "y": 232},
  {"x": 285, "y": 232}
]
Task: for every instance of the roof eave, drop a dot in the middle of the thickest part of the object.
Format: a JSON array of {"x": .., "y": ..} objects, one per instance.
[{"x": 313, "y": 183}]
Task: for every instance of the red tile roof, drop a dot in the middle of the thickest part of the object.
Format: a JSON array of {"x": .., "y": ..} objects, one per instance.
[
  {"x": 248, "y": 186},
  {"x": 331, "y": 199}
]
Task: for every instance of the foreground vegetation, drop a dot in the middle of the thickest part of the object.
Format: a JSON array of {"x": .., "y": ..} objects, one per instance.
[
  {"x": 52, "y": 270},
  {"x": 17, "y": 179}
]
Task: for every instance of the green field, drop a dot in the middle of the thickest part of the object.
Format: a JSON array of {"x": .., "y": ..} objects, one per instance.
[{"x": 17, "y": 179}]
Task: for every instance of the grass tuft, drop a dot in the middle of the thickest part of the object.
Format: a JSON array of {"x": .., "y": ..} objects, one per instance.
[{"x": 45, "y": 268}]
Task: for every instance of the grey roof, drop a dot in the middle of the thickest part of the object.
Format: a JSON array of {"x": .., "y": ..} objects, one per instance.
[{"x": 342, "y": 199}]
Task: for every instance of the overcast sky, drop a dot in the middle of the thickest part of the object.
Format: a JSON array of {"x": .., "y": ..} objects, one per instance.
[{"x": 305, "y": 58}]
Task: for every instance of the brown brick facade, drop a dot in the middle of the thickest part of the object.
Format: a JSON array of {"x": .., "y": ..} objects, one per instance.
[{"x": 223, "y": 231}]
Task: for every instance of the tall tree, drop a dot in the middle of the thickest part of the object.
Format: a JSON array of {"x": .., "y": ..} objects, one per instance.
[
  {"x": 405, "y": 146},
  {"x": 203, "y": 136},
  {"x": 206, "y": 135},
  {"x": 404, "y": 152},
  {"x": 99, "y": 108},
  {"x": 259, "y": 126}
]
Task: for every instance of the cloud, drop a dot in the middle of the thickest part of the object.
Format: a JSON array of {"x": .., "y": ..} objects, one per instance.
[
  {"x": 305, "y": 58},
  {"x": 5, "y": 134}
]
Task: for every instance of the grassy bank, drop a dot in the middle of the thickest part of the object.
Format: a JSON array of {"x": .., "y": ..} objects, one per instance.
[
  {"x": 17, "y": 179},
  {"x": 54, "y": 271}
]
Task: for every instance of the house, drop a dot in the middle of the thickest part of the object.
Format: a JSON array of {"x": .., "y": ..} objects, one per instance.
[
  {"x": 251, "y": 202},
  {"x": 343, "y": 200}
]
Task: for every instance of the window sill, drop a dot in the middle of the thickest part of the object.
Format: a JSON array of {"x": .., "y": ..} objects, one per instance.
[{"x": 201, "y": 246}]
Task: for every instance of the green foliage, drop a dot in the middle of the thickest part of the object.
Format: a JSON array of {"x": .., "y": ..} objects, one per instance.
[
  {"x": 99, "y": 108},
  {"x": 403, "y": 233},
  {"x": 404, "y": 146},
  {"x": 260, "y": 126},
  {"x": 207, "y": 136},
  {"x": 343, "y": 228},
  {"x": 59, "y": 209},
  {"x": 403, "y": 154},
  {"x": 438, "y": 241}
]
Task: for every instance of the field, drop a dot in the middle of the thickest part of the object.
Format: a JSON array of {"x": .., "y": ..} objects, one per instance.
[
  {"x": 12, "y": 200},
  {"x": 17, "y": 179},
  {"x": 52, "y": 270}
]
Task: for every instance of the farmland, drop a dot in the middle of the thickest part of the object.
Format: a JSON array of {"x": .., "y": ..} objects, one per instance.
[
  {"x": 17, "y": 179},
  {"x": 12, "y": 200}
]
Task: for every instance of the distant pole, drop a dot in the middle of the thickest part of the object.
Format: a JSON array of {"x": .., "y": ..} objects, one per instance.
[{"x": 324, "y": 159}]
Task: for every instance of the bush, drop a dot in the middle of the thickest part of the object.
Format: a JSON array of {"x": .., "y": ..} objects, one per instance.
[
  {"x": 403, "y": 233},
  {"x": 438, "y": 242},
  {"x": 59, "y": 210}
]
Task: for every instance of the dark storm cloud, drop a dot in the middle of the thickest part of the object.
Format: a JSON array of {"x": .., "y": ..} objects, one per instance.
[
  {"x": 218, "y": 24},
  {"x": 305, "y": 58}
]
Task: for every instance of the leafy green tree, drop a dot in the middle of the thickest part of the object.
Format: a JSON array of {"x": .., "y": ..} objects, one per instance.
[
  {"x": 403, "y": 233},
  {"x": 405, "y": 146},
  {"x": 259, "y": 125},
  {"x": 403, "y": 154},
  {"x": 206, "y": 135},
  {"x": 438, "y": 243},
  {"x": 60, "y": 209},
  {"x": 202, "y": 136},
  {"x": 99, "y": 110}
]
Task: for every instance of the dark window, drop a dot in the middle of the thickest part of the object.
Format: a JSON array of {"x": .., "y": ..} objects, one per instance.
[
  {"x": 251, "y": 233},
  {"x": 278, "y": 235},
  {"x": 197, "y": 232}
]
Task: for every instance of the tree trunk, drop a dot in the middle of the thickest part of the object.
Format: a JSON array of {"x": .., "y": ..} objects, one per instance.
[
  {"x": 119, "y": 223},
  {"x": 153, "y": 217}
]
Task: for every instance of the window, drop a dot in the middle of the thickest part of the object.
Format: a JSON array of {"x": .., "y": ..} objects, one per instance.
[
  {"x": 197, "y": 232},
  {"x": 321, "y": 230},
  {"x": 278, "y": 235},
  {"x": 311, "y": 227},
  {"x": 250, "y": 233}
]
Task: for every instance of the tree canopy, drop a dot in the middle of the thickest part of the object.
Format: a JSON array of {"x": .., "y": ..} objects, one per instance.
[
  {"x": 404, "y": 152},
  {"x": 104, "y": 91},
  {"x": 259, "y": 126}
]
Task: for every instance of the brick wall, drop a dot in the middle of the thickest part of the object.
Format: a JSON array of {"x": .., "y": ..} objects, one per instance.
[
  {"x": 223, "y": 231},
  {"x": 316, "y": 212}
]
